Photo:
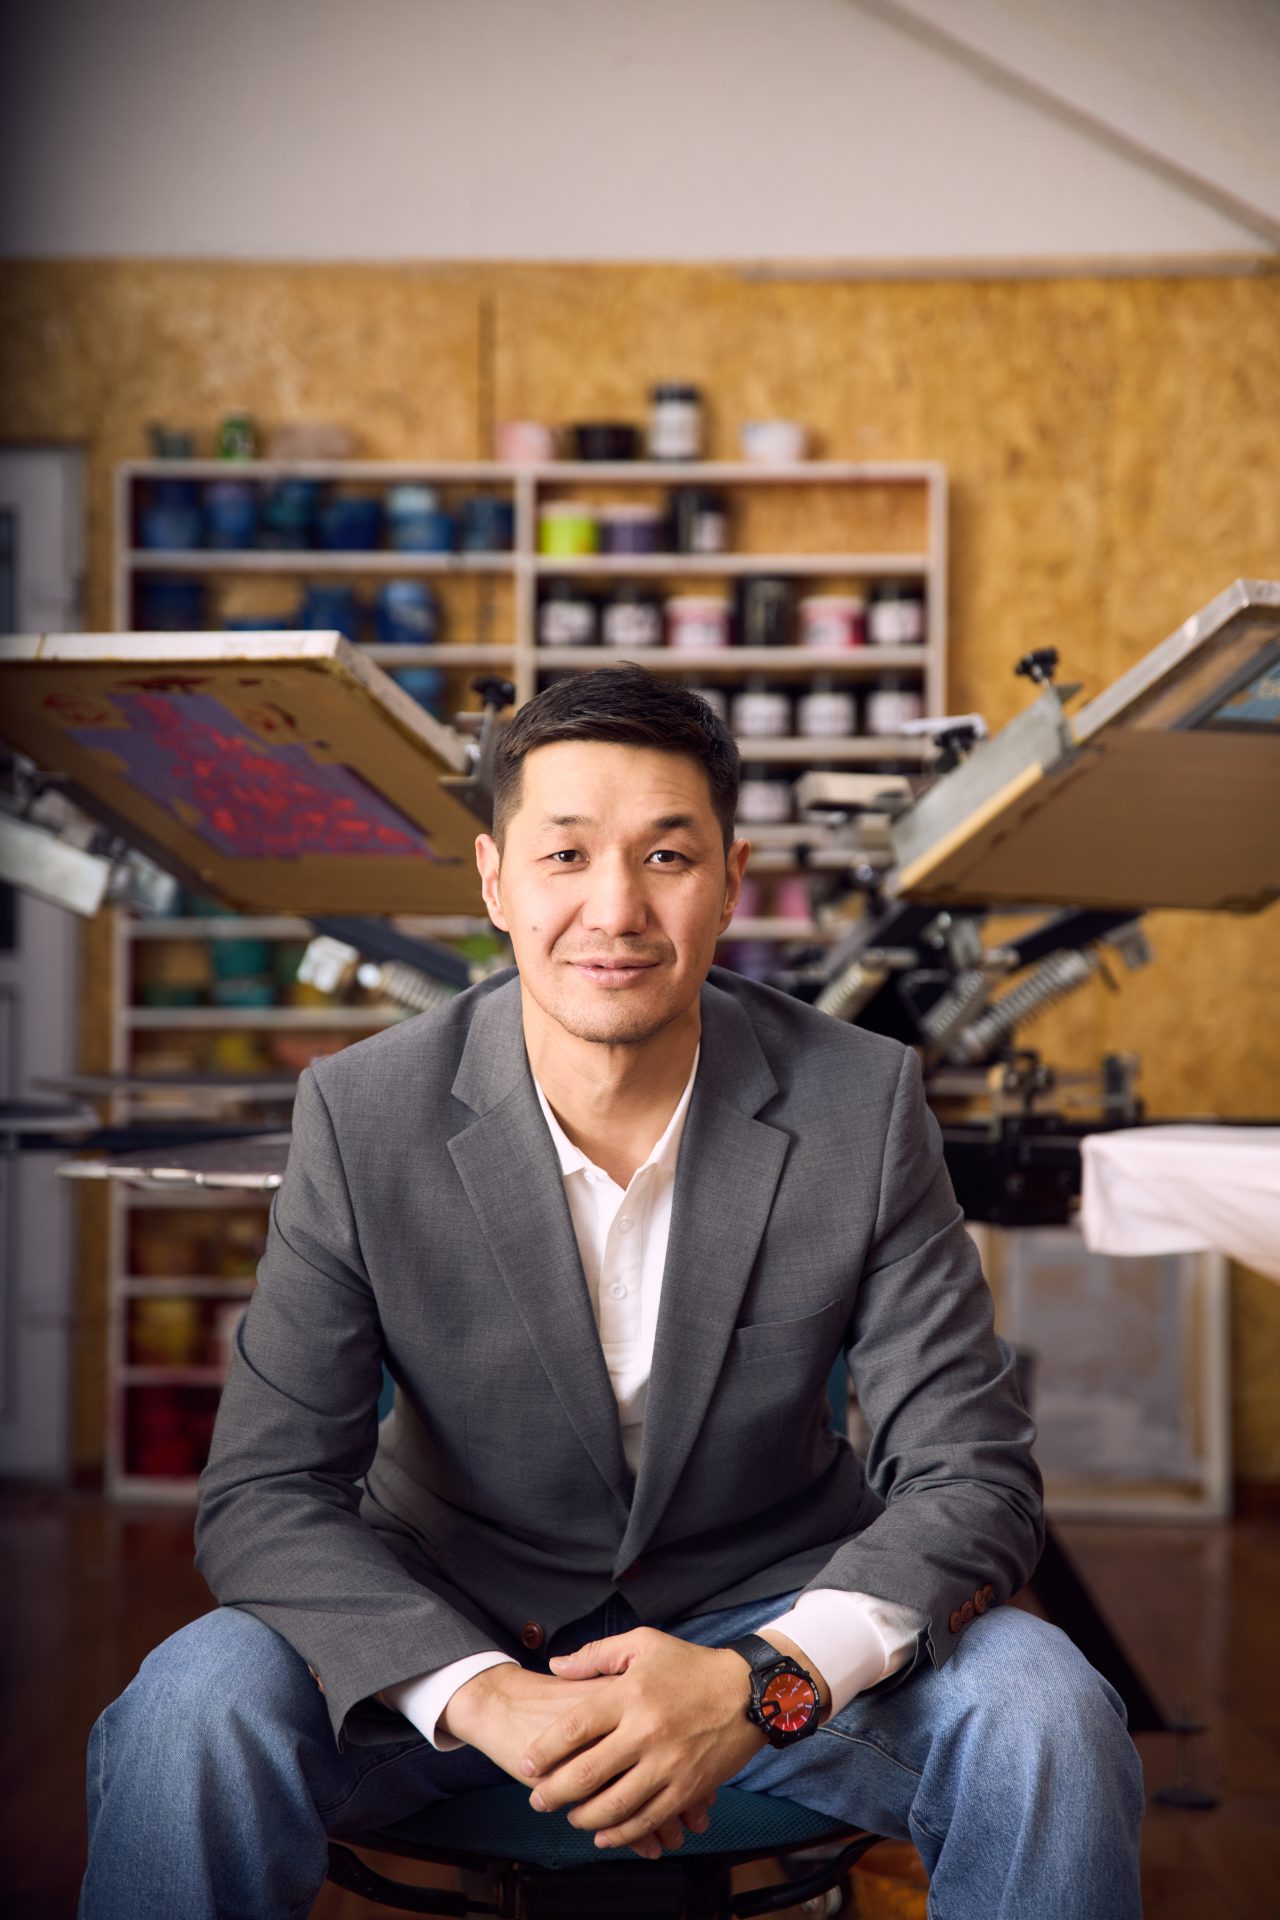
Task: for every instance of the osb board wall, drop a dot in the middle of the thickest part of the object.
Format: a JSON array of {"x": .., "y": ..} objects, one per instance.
[{"x": 1111, "y": 445}]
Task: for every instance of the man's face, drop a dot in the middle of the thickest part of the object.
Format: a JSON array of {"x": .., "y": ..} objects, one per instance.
[{"x": 613, "y": 885}]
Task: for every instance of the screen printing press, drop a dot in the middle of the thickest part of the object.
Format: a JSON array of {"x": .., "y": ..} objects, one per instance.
[{"x": 286, "y": 773}]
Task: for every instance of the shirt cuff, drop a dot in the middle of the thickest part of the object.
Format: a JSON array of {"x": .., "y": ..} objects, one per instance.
[
  {"x": 423, "y": 1699},
  {"x": 853, "y": 1639}
]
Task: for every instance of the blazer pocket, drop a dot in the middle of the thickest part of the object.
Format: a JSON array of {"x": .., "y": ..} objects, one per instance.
[{"x": 768, "y": 1339}]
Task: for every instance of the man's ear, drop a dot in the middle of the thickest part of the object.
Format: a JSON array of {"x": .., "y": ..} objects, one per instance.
[{"x": 489, "y": 863}]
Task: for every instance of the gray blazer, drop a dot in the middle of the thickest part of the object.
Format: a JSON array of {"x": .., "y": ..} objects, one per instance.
[{"x": 423, "y": 1221}]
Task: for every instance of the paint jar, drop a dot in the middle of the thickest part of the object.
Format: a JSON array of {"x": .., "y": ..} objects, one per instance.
[
  {"x": 423, "y": 684},
  {"x": 170, "y": 606},
  {"x": 407, "y": 614},
  {"x": 230, "y": 515},
  {"x": 697, "y": 620},
  {"x": 165, "y": 1332},
  {"x": 717, "y": 698},
  {"x": 791, "y": 899},
  {"x": 890, "y": 704},
  {"x": 630, "y": 528},
  {"x": 774, "y": 443},
  {"x": 568, "y": 529},
  {"x": 760, "y": 712},
  {"x": 895, "y": 614},
  {"x": 488, "y": 524},
  {"x": 766, "y": 611},
  {"x": 675, "y": 422},
  {"x": 631, "y": 617},
  {"x": 287, "y": 517},
  {"x": 699, "y": 520},
  {"x": 764, "y": 798},
  {"x": 525, "y": 443},
  {"x": 330, "y": 609},
  {"x": 567, "y": 616},
  {"x": 169, "y": 518},
  {"x": 237, "y": 436},
  {"x": 750, "y": 900},
  {"x": 605, "y": 440},
  {"x": 826, "y": 711},
  {"x": 832, "y": 622},
  {"x": 350, "y": 524}
]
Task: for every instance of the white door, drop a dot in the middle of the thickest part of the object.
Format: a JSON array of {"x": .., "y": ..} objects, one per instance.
[{"x": 41, "y": 566}]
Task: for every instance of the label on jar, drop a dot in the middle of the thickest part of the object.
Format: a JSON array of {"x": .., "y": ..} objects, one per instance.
[
  {"x": 698, "y": 628},
  {"x": 825, "y": 715},
  {"x": 633, "y": 624},
  {"x": 888, "y": 710},
  {"x": 708, "y": 532},
  {"x": 895, "y": 623},
  {"x": 675, "y": 430},
  {"x": 764, "y": 802},
  {"x": 761, "y": 715},
  {"x": 566, "y": 623}
]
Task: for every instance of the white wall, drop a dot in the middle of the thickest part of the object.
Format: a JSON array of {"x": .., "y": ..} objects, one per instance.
[{"x": 623, "y": 129}]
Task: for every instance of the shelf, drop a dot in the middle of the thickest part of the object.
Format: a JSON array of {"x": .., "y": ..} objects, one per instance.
[
  {"x": 311, "y": 560},
  {"x": 150, "y": 1490},
  {"x": 730, "y": 565},
  {"x": 220, "y": 1019},
  {"x": 163, "y": 1200},
  {"x": 283, "y": 926},
  {"x": 356, "y": 472},
  {"x": 444, "y": 654},
  {"x": 157, "y": 1376},
  {"x": 774, "y": 661},
  {"x": 189, "y": 1287},
  {"x": 852, "y": 751},
  {"x": 544, "y": 473}
]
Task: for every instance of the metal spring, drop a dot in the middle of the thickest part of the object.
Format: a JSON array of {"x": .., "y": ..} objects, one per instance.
[
  {"x": 967, "y": 993},
  {"x": 850, "y": 990},
  {"x": 409, "y": 988},
  {"x": 1051, "y": 981}
]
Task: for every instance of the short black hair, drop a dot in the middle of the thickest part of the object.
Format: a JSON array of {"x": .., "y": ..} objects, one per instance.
[{"x": 628, "y": 706}]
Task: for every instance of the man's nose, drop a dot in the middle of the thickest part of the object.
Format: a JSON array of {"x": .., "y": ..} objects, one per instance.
[{"x": 615, "y": 902}]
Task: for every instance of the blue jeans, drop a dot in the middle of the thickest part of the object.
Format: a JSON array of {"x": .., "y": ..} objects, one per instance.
[{"x": 215, "y": 1781}]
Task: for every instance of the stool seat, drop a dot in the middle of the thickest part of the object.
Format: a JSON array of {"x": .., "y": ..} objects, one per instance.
[{"x": 498, "y": 1824}]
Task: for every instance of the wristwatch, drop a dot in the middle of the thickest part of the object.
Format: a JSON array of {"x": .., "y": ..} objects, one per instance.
[{"x": 785, "y": 1703}]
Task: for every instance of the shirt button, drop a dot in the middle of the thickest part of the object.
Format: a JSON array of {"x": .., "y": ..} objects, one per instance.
[
  {"x": 624, "y": 1226},
  {"x": 532, "y": 1635},
  {"x": 618, "y": 1291}
]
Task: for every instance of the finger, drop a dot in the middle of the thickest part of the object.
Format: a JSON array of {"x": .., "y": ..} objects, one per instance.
[
  {"x": 586, "y": 1723},
  {"x": 697, "y": 1817},
  {"x": 642, "y": 1825},
  {"x": 591, "y": 1783},
  {"x": 613, "y": 1655},
  {"x": 670, "y": 1834}
]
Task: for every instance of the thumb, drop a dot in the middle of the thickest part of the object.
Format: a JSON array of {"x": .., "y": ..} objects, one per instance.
[{"x": 597, "y": 1657}]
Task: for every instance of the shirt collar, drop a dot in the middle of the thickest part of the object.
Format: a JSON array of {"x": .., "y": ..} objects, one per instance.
[{"x": 663, "y": 1153}]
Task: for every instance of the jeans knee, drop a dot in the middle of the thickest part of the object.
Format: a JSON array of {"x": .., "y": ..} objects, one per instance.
[
  {"x": 212, "y": 1681},
  {"x": 1029, "y": 1686}
]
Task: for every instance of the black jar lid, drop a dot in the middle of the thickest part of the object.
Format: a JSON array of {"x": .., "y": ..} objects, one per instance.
[{"x": 675, "y": 390}]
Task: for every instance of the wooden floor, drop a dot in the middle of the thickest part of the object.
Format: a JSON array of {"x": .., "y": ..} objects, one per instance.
[{"x": 87, "y": 1589}]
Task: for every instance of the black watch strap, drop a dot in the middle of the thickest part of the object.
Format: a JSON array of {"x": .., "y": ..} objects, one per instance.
[{"x": 758, "y": 1654}]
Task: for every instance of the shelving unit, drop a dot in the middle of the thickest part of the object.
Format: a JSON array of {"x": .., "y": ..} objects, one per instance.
[{"x": 160, "y": 1407}]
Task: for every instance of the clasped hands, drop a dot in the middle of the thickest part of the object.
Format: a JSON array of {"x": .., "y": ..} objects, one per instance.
[{"x": 633, "y": 1733}]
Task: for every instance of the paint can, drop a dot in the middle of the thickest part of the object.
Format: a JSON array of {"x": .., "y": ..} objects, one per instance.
[
  {"x": 675, "y": 421},
  {"x": 697, "y": 620}
]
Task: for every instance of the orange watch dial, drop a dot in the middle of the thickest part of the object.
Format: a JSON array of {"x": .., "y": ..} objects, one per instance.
[{"x": 788, "y": 1702}]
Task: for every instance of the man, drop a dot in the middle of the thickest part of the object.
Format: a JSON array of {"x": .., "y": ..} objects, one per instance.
[{"x": 609, "y": 1223}]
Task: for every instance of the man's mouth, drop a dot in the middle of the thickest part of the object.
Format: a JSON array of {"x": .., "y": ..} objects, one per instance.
[{"x": 612, "y": 969}]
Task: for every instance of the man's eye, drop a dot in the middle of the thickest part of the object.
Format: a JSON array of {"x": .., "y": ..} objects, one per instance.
[
  {"x": 666, "y": 856},
  {"x": 564, "y": 856}
]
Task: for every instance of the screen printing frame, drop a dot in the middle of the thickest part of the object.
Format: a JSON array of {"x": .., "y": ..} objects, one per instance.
[{"x": 277, "y": 772}]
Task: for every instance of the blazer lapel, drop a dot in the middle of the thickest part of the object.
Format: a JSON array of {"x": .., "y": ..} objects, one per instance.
[
  {"x": 726, "y": 1176},
  {"x": 508, "y": 1167}
]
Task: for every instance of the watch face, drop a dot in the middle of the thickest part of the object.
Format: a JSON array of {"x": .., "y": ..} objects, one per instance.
[{"x": 787, "y": 1703}]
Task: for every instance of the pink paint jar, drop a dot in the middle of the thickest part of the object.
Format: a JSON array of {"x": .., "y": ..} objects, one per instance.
[
  {"x": 832, "y": 622},
  {"x": 697, "y": 621},
  {"x": 525, "y": 443}
]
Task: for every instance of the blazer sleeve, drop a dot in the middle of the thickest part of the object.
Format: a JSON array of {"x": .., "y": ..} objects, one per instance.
[
  {"x": 962, "y": 1525},
  {"x": 278, "y": 1531}
]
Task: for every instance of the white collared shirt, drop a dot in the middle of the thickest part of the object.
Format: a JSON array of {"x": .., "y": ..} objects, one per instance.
[{"x": 853, "y": 1639}]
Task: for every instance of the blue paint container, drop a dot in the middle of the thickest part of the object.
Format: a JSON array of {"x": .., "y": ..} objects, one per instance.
[
  {"x": 170, "y": 606},
  {"x": 488, "y": 525},
  {"x": 230, "y": 515},
  {"x": 169, "y": 518},
  {"x": 287, "y": 520},
  {"x": 407, "y": 614},
  {"x": 328, "y": 609},
  {"x": 350, "y": 525},
  {"x": 423, "y": 684}
]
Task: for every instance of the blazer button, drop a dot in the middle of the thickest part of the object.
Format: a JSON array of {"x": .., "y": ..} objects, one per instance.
[
  {"x": 980, "y": 1600},
  {"x": 955, "y": 1622},
  {"x": 966, "y": 1612},
  {"x": 532, "y": 1635},
  {"x": 989, "y": 1595}
]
